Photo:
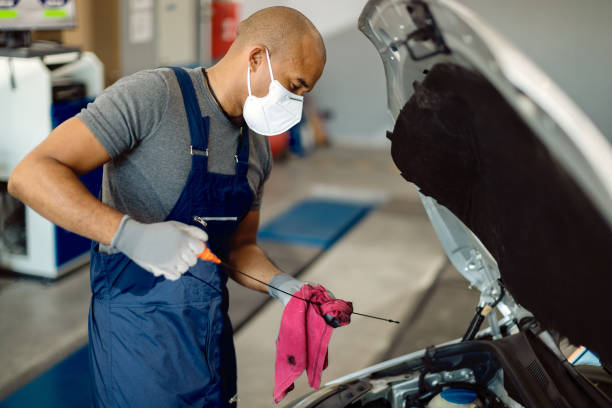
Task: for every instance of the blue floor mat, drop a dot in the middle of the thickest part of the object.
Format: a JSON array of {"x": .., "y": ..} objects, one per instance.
[
  {"x": 65, "y": 385},
  {"x": 314, "y": 222}
]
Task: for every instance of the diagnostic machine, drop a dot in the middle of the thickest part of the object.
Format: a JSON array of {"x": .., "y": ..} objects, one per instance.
[{"x": 41, "y": 85}]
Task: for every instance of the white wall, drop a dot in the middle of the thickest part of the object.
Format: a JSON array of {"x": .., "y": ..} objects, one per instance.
[{"x": 328, "y": 16}]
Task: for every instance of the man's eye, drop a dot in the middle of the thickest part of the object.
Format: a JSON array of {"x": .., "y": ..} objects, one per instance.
[{"x": 294, "y": 87}]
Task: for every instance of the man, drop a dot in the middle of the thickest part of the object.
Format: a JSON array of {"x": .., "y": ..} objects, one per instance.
[{"x": 180, "y": 168}]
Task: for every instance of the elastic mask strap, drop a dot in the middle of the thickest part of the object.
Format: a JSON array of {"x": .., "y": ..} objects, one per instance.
[
  {"x": 249, "y": 72},
  {"x": 269, "y": 66},
  {"x": 249, "y": 79}
]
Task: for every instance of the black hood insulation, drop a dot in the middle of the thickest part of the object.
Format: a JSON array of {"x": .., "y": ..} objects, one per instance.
[{"x": 461, "y": 143}]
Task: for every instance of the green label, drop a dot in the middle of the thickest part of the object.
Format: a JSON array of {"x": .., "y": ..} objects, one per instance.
[
  {"x": 55, "y": 13},
  {"x": 8, "y": 14}
]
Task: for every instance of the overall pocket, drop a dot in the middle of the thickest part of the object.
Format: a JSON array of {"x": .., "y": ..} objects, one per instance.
[
  {"x": 104, "y": 270},
  {"x": 165, "y": 345}
]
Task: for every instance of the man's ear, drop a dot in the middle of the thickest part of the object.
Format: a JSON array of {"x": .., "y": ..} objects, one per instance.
[{"x": 257, "y": 57}]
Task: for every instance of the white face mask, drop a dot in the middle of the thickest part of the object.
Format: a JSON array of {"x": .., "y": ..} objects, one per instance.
[{"x": 274, "y": 113}]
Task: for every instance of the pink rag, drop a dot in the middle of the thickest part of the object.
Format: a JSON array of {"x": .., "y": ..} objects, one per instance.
[{"x": 304, "y": 336}]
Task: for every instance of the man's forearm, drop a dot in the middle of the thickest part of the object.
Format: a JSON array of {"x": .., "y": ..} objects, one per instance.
[
  {"x": 251, "y": 260},
  {"x": 54, "y": 191}
]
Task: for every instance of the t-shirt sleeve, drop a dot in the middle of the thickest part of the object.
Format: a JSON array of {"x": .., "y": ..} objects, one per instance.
[
  {"x": 267, "y": 168},
  {"x": 128, "y": 111}
]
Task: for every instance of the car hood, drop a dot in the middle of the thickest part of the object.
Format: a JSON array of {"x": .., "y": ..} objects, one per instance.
[{"x": 515, "y": 177}]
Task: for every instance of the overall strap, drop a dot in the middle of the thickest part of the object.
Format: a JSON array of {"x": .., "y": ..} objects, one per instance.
[
  {"x": 198, "y": 125},
  {"x": 242, "y": 154}
]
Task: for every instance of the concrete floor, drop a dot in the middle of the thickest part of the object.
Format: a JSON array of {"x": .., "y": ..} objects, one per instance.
[
  {"x": 443, "y": 313},
  {"x": 383, "y": 266},
  {"x": 390, "y": 264}
]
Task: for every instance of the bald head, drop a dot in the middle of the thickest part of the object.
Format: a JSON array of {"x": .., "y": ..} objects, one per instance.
[
  {"x": 284, "y": 31},
  {"x": 296, "y": 51}
]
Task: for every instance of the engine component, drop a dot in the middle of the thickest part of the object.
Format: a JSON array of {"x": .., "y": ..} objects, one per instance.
[{"x": 455, "y": 398}]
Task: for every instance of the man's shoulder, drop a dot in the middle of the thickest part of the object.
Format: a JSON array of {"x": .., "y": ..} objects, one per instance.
[
  {"x": 143, "y": 88},
  {"x": 157, "y": 77},
  {"x": 166, "y": 74}
]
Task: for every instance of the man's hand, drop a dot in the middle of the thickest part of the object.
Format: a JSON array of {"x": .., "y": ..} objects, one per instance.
[
  {"x": 47, "y": 181},
  {"x": 285, "y": 284},
  {"x": 165, "y": 248},
  {"x": 247, "y": 257},
  {"x": 282, "y": 286}
]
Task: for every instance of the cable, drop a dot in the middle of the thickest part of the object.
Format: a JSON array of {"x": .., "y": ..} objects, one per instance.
[
  {"x": 502, "y": 293},
  {"x": 228, "y": 266}
]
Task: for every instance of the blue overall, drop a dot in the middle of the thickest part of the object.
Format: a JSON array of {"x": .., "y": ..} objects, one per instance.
[{"x": 161, "y": 343}]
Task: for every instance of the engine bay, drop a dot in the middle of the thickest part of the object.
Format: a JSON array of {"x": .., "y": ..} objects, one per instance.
[{"x": 519, "y": 370}]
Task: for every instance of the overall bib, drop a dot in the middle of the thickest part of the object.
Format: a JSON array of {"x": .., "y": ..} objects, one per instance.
[{"x": 159, "y": 343}]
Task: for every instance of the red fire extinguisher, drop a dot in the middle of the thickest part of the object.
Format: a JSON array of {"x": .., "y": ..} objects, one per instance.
[{"x": 225, "y": 19}]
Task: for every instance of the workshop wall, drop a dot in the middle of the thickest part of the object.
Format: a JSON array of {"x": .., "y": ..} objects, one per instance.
[
  {"x": 328, "y": 16},
  {"x": 351, "y": 90}
]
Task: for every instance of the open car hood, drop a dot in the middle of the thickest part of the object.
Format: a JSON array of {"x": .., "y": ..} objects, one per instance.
[{"x": 515, "y": 177}]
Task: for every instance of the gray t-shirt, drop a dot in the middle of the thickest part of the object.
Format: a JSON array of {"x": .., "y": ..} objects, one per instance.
[{"x": 141, "y": 123}]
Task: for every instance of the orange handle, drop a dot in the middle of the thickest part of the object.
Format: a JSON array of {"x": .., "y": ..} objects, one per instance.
[{"x": 207, "y": 255}]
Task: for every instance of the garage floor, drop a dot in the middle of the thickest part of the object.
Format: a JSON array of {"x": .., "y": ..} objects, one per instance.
[{"x": 389, "y": 264}]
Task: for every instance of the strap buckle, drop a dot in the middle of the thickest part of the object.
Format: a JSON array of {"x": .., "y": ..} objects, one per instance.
[{"x": 197, "y": 152}]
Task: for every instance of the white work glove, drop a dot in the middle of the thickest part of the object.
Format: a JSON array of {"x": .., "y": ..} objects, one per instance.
[
  {"x": 165, "y": 249},
  {"x": 287, "y": 283}
]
